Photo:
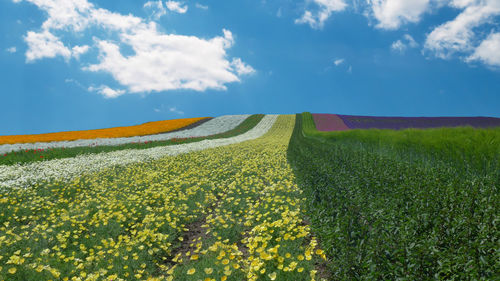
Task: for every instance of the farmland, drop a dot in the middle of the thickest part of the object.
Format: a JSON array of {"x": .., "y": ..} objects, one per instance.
[
  {"x": 138, "y": 130},
  {"x": 220, "y": 127},
  {"x": 257, "y": 197},
  {"x": 413, "y": 205}
]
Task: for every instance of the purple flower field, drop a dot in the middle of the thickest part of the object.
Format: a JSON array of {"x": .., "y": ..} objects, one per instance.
[{"x": 330, "y": 122}]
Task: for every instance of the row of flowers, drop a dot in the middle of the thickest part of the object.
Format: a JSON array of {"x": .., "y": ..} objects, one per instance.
[
  {"x": 213, "y": 126},
  {"x": 228, "y": 213},
  {"x": 116, "y": 132},
  {"x": 26, "y": 175}
]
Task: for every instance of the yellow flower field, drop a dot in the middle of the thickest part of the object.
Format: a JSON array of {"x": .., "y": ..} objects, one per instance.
[
  {"x": 229, "y": 213},
  {"x": 149, "y": 128}
]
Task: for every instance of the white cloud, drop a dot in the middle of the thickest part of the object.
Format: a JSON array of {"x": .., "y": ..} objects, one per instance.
[
  {"x": 458, "y": 34},
  {"x": 411, "y": 42},
  {"x": 159, "y": 61},
  {"x": 155, "y": 9},
  {"x": 325, "y": 10},
  {"x": 241, "y": 68},
  {"x": 488, "y": 51},
  {"x": 176, "y": 6},
  {"x": 44, "y": 45},
  {"x": 338, "y": 62},
  {"x": 402, "y": 44},
  {"x": 391, "y": 14},
  {"x": 11, "y": 50},
  {"x": 175, "y": 110},
  {"x": 157, "y": 110},
  {"x": 398, "y": 46},
  {"x": 167, "y": 62},
  {"x": 106, "y": 91},
  {"x": 200, "y": 6},
  {"x": 77, "y": 51}
]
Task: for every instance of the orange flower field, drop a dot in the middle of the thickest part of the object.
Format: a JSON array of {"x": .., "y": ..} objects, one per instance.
[{"x": 149, "y": 128}]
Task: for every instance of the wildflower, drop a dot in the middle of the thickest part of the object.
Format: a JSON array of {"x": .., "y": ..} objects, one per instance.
[
  {"x": 191, "y": 271},
  {"x": 208, "y": 270}
]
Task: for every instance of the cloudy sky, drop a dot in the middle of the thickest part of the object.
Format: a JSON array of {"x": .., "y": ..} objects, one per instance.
[{"x": 86, "y": 64}]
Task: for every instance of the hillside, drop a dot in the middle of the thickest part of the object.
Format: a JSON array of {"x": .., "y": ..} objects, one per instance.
[{"x": 255, "y": 197}]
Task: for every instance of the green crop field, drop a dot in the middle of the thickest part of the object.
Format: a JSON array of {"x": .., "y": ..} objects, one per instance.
[{"x": 402, "y": 205}]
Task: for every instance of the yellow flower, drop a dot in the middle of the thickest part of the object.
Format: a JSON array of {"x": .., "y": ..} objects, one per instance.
[
  {"x": 12, "y": 270},
  {"x": 209, "y": 270},
  {"x": 194, "y": 257},
  {"x": 272, "y": 276},
  {"x": 224, "y": 278},
  {"x": 191, "y": 271}
]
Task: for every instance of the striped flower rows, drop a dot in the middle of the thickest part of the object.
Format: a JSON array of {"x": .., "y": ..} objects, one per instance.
[
  {"x": 227, "y": 213},
  {"x": 214, "y": 126},
  {"x": 138, "y": 130},
  {"x": 20, "y": 175}
]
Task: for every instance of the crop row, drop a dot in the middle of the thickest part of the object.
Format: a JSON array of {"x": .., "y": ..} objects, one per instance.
[
  {"x": 116, "y": 132},
  {"x": 337, "y": 122},
  {"x": 24, "y": 175},
  {"x": 387, "y": 211},
  {"x": 227, "y": 213},
  {"x": 204, "y": 127},
  {"x": 220, "y": 127}
]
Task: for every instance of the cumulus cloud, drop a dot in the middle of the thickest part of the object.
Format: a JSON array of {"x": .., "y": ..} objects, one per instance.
[
  {"x": 176, "y": 6},
  {"x": 488, "y": 51},
  {"x": 44, "y": 45},
  {"x": 155, "y": 9},
  {"x": 11, "y": 50},
  {"x": 77, "y": 51},
  {"x": 241, "y": 68},
  {"x": 391, "y": 14},
  {"x": 106, "y": 91},
  {"x": 402, "y": 44},
  {"x": 159, "y": 61},
  {"x": 325, "y": 8},
  {"x": 458, "y": 34}
]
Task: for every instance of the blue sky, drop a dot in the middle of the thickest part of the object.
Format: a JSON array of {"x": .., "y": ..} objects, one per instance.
[{"x": 87, "y": 64}]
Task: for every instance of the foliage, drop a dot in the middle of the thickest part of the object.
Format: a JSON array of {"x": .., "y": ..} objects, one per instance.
[
  {"x": 401, "y": 205},
  {"x": 28, "y": 156}
]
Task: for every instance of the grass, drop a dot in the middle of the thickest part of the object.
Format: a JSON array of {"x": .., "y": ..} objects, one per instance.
[
  {"x": 475, "y": 149},
  {"x": 410, "y": 205},
  {"x": 28, "y": 156}
]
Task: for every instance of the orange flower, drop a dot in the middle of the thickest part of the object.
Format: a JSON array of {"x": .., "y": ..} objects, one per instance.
[{"x": 149, "y": 128}]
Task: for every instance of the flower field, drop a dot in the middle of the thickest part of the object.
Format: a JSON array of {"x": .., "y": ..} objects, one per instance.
[
  {"x": 227, "y": 213},
  {"x": 29, "y": 174},
  {"x": 204, "y": 127},
  {"x": 329, "y": 122},
  {"x": 260, "y": 197},
  {"x": 337, "y": 122},
  {"x": 116, "y": 132}
]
